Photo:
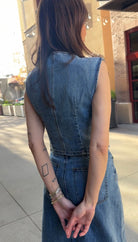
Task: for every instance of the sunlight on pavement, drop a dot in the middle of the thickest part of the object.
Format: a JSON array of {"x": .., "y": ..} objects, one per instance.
[{"x": 124, "y": 148}]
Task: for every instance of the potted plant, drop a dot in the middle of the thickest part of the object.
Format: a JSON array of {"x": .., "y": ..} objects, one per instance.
[
  {"x": 1, "y": 111},
  {"x": 18, "y": 109},
  {"x": 7, "y": 108},
  {"x": 113, "y": 122},
  {"x": 1, "y": 102}
]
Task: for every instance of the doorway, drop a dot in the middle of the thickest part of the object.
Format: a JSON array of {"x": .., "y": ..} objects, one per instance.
[{"x": 132, "y": 60}]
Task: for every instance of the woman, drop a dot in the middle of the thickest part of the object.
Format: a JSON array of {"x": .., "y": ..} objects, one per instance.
[{"x": 69, "y": 95}]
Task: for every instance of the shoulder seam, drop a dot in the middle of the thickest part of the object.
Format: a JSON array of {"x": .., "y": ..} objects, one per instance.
[{"x": 95, "y": 77}]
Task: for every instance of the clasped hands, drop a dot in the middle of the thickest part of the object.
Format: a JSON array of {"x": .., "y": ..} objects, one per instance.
[{"x": 79, "y": 217}]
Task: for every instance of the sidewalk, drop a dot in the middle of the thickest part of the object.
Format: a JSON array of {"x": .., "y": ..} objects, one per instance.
[{"x": 21, "y": 187}]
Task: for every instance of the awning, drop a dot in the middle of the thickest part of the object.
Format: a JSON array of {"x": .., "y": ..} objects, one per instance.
[
  {"x": 120, "y": 5},
  {"x": 13, "y": 81}
]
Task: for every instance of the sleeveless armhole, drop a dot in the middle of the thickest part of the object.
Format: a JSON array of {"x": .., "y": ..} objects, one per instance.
[
  {"x": 28, "y": 85},
  {"x": 97, "y": 72},
  {"x": 30, "y": 81},
  {"x": 94, "y": 67}
]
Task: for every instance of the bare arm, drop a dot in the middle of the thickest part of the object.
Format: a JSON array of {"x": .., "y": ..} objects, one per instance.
[
  {"x": 63, "y": 207},
  {"x": 101, "y": 110},
  {"x": 36, "y": 144}
]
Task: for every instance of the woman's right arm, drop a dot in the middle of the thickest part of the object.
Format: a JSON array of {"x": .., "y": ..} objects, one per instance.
[
  {"x": 101, "y": 111},
  {"x": 35, "y": 128}
]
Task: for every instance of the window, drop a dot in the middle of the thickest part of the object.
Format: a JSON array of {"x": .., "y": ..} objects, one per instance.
[{"x": 133, "y": 41}]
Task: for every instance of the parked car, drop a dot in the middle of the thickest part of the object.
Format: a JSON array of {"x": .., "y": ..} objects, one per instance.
[{"x": 19, "y": 100}]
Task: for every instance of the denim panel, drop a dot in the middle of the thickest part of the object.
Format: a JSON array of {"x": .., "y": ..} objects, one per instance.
[
  {"x": 71, "y": 85},
  {"x": 108, "y": 222}
]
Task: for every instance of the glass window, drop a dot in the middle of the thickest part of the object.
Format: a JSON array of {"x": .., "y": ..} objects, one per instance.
[
  {"x": 135, "y": 90},
  {"x": 133, "y": 41},
  {"x": 136, "y": 110},
  {"x": 134, "y": 68}
]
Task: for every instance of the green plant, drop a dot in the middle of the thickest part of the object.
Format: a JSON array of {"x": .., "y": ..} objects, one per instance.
[
  {"x": 113, "y": 95},
  {"x": 6, "y": 103},
  {"x": 18, "y": 104}
]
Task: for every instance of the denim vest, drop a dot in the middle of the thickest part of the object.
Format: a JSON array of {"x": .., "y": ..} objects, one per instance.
[{"x": 72, "y": 85}]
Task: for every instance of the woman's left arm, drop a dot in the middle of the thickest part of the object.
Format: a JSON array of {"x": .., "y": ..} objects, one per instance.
[{"x": 37, "y": 146}]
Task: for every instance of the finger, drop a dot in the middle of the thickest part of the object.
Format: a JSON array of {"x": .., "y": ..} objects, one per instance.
[
  {"x": 77, "y": 230},
  {"x": 74, "y": 228},
  {"x": 70, "y": 226},
  {"x": 82, "y": 228},
  {"x": 84, "y": 231}
]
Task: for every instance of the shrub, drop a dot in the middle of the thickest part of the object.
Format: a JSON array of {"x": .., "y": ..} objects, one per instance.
[{"x": 113, "y": 95}]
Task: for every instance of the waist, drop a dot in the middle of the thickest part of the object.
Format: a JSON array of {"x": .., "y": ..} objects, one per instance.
[
  {"x": 55, "y": 152},
  {"x": 72, "y": 153}
]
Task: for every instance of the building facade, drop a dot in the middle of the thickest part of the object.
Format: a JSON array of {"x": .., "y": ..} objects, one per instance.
[
  {"x": 108, "y": 34},
  {"x": 27, "y": 15},
  {"x": 124, "y": 29}
]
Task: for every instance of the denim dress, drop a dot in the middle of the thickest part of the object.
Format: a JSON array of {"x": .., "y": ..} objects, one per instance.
[{"x": 72, "y": 83}]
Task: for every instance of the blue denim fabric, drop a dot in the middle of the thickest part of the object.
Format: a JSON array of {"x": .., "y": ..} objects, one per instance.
[
  {"x": 72, "y": 87},
  {"x": 108, "y": 222}
]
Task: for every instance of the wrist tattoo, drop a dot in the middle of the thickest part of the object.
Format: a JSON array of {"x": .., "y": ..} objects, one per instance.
[
  {"x": 45, "y": 170},
  {"x": 54, "y": 179}
]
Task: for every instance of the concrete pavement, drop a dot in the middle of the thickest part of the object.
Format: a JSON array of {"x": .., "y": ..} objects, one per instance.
[{"x": 21, "y": 187}]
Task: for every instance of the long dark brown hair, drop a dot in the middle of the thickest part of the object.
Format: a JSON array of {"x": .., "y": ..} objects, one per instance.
[{"x": 59, "y": 29}]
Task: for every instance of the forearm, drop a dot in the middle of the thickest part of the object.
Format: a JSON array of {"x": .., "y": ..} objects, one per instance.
[
  {"x": 44, "y": 166},
  {"x": 96, "y": 173},
  {"x": 35, "y": 129}
]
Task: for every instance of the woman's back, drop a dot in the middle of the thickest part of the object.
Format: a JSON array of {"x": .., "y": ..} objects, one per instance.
[
  {"x": 72, "y": 85},
  {"x": 70, "y": 96}
]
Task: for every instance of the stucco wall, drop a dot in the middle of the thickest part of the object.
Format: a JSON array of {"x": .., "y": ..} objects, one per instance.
[
  {"x": 29, "y": 46},
  {"x": 99, "y": 38},
  {"x": 27, "y": 15},
  {"x": 108, "y": 47},
  {"x": 94, "y": 37}
]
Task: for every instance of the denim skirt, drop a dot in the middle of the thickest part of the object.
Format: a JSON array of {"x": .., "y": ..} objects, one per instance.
[{"x": 108, "y": 222}]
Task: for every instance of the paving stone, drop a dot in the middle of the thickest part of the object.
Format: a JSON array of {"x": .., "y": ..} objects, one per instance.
[
  {"x": 9, "y": 209},
  {"x": 20, "y": 231},
  {"x": 37, "y": 218},
  {"x": 129, "y": 191}
]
